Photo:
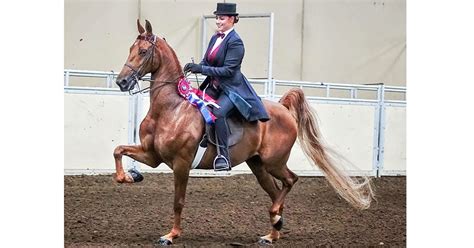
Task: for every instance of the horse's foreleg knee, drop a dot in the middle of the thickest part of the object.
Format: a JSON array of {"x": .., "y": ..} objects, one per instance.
[
  {"x": 118, "y": 152},
  {"x": 138, "y": 153},
  {"x": 120, "y": 175}
]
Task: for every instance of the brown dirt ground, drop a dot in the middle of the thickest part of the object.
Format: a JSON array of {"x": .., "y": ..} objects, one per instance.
[{"x": 227, "y": 211}]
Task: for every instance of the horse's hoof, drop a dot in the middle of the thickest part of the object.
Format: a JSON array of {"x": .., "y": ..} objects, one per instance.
[
  {"x": 137, "y": 177},
  {"x": 164, "y": 242},
  {"x": 279, "y": 224},
  {"x": 265, "y": 242}
]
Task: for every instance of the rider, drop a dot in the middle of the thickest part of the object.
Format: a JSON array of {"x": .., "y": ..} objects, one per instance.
[{"x": 225, "y": 82}]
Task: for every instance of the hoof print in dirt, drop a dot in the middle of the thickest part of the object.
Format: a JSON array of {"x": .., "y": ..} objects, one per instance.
[
  {"x": 236, "y": 244},
  {"x": 137, "y": 177},
  {"x": 164, "y": 242},
  {"x": 264, "y": 242}
]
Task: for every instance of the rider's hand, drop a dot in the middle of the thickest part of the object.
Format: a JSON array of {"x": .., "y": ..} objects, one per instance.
[{"x": 191, "y": 67}]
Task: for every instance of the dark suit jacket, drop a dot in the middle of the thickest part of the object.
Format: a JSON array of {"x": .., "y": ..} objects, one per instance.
[{"x": 225, "y": 69}]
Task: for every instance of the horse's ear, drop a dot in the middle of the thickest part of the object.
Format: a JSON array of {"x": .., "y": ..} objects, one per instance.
[
  {"x": 141, "y": 30},
  {"x": 148, "y": 27}
]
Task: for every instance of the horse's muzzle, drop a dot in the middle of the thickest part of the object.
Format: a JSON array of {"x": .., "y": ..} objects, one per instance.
[{"x": 126, "y": 84}]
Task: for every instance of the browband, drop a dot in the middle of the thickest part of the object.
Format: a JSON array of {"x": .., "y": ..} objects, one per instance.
[{"x": 147, "y": 38}]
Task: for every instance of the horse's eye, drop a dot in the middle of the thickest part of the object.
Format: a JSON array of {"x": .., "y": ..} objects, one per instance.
[{"x": 142, "y": 52}]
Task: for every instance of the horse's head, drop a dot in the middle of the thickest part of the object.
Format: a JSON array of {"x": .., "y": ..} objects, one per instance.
[{"x": 141, "y": 59}]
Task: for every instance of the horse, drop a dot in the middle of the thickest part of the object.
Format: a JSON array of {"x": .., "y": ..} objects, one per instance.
[{"x": 172, "y": 130}]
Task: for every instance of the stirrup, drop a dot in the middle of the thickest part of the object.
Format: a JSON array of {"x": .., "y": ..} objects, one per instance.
[{"x": 227, "y": 168}]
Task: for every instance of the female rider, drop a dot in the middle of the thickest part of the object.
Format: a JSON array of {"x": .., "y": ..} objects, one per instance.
[{"x": 225, "y": 82}]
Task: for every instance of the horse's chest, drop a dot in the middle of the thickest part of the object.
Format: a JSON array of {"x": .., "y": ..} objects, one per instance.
[
  {"x": 147, "y": 133},
  {"x": 148, "y": 126}
]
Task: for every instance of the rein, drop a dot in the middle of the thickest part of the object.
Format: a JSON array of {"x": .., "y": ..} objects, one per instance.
[{"x": 150, "y": 89}]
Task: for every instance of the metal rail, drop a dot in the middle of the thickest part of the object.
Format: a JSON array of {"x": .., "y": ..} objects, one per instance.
[
  {"x": 270, "y": 87},
  {"x": 109, "y": 77}
]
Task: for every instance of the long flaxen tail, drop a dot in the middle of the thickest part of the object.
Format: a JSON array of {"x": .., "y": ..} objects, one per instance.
[{"x": 356, "y": 190}]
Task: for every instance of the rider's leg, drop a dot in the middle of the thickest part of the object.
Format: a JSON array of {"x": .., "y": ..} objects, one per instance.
[{"x": 226, "y": 107}]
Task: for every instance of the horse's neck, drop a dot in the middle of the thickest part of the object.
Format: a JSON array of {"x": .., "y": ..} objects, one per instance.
[
  {"x": 165, "y": 97},
  {"x": 163, "y": 88}
]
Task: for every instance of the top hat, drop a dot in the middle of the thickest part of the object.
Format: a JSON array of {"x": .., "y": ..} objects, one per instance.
[{"x": 226, "y": 9}]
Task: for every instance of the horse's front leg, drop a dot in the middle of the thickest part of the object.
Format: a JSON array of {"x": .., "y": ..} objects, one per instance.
[
  {"x": 181, "y": 175},
  {"x": 136, "y": 152}
]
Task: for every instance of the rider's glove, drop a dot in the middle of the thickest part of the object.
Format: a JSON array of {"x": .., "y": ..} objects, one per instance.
[{"x": 191, "y": 67}]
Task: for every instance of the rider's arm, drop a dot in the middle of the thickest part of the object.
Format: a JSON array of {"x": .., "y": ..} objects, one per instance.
[{"x": 232, "y": 61}]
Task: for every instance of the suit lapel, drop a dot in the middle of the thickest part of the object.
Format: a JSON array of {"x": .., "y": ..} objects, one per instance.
[{"x": 220, "y": 54}]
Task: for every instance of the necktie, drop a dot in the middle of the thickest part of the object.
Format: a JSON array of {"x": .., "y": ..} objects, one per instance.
[{"x": 220, "y": 35}]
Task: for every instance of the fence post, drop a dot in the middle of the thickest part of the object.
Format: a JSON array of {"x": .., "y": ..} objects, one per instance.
[
  {"x": 380, "y": 127},
  {"x": 273, "y": 89},
  {"x": 132, "y": 128},
  {"x": 270, "y": 58},
  {"x": 138, "y": 120},
  {"x": 109, "y": 81},
  {"x": 66, "y": 78},
  {"x": 203, "y": 37}
]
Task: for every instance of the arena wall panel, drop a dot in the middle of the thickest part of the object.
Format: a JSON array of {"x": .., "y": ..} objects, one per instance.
[
  {"x": 394, "y": 161},
  {"x": 93, "y": 126},
  {"x": 347, "y": 129}
]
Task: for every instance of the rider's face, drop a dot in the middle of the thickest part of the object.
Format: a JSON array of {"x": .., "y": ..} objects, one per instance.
[{"x": 224, "y": 23}]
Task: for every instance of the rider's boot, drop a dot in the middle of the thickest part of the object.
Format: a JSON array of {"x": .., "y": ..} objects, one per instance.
[{"x": 222, "y": 161}]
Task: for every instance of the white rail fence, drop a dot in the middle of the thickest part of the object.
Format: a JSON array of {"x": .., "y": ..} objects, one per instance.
[{"x": 364, "y": 123}]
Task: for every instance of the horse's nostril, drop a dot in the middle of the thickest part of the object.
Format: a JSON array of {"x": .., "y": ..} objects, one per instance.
[{"x": 121, "y": 82}]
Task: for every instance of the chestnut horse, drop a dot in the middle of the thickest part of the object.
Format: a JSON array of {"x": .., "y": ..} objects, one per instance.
[{"x": 172, "y": 129}]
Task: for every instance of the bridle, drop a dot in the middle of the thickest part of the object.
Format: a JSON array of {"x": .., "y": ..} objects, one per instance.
[
  {"x": 148, "y": 58},
  {"x": 137, "y": 73},
  {"x": 149, "y": 54}
]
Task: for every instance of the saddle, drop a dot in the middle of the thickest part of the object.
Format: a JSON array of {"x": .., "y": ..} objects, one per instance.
[{"x": 236, "y": 130}]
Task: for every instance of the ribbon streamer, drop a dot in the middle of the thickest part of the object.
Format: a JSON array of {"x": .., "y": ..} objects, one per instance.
[{"x": 196, "y": 98}]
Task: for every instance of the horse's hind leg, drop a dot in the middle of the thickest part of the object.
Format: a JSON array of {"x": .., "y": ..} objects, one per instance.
[
  {"x": 135, "y": 152},
  {"x": 268, "y": 183},
  {"x": 288, "y": 179}
]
